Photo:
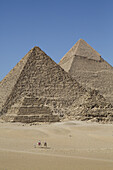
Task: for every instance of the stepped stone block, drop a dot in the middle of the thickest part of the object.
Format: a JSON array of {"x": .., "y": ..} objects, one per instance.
[
  {"x": 87, "y": 66},
  {"x": 25, "y": 113},
  {"x": 44, "y": 92}
]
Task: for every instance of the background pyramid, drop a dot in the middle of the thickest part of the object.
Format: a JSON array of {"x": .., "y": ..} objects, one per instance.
[
  {"x": 84, "y": 64},
  {"x": 43, "y": 91}
]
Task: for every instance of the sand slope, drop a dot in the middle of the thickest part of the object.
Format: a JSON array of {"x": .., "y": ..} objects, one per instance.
[{"x": 71, "y": 145}]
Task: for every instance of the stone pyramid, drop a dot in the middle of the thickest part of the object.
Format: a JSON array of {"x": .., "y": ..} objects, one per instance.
[
  {"x": 7, "y": 84},
  {"x": 87, "y": 66},
  {"x": 39, "y": 90}
]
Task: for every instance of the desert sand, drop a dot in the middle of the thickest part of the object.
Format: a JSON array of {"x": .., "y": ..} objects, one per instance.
[{"x": 72, "y": 145}]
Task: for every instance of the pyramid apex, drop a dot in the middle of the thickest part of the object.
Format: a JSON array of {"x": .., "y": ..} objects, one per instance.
[
  {"x": 82, "y": 49},
  {"x": 81, "y": 39},
  {"x": 36, "y": 48}
]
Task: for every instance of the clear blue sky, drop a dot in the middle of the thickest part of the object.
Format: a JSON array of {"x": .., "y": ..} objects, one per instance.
[{"x": 54, "y": 26}]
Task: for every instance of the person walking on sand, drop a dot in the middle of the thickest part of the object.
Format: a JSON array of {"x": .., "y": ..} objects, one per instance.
[
  {"x": 39, "y": 143},
  {"x": 45, "y": 144}
]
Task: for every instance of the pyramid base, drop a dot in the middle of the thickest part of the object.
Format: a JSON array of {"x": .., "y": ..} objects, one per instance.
[{"x": 31, "y": 118}]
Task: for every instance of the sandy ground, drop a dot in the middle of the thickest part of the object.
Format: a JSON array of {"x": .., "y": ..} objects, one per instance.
[{"x": 72, "y": 145}]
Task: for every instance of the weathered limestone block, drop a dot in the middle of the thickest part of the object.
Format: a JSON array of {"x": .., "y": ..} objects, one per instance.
[
  {"x": 43, "y": 91},
  {"x": 84, "y": 64}
]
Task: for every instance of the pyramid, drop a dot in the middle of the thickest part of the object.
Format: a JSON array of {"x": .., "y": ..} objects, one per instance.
[
  {"x": 87, "y": 66},
  {"x": 43, "y": 92},
  {"x": 7, "y": 84}
]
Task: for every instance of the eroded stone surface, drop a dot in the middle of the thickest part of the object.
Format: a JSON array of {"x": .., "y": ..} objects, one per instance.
[
  {"x": 86, "y": 65},
  {"x": 7, "y": 84},
  {"x": 45, "y": 92}
]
